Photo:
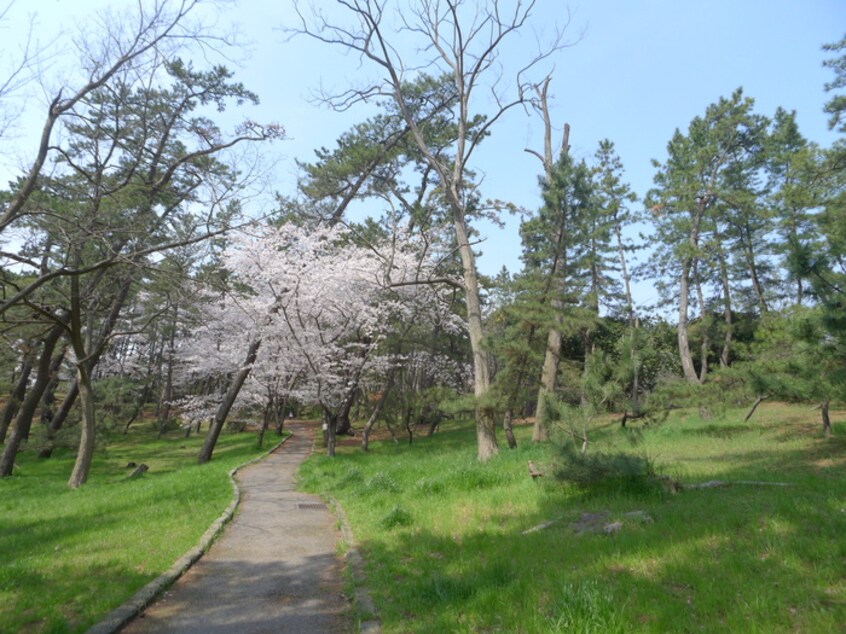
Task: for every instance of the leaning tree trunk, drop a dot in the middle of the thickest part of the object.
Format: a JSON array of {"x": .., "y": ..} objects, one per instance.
[
  {"x": 23, "y": 420},
  {"x": 16, "y": 396},
  {"x": 48, "y": 399},
  {"x": 59, "y": 419},
  {"x": 228, "y": 400}
]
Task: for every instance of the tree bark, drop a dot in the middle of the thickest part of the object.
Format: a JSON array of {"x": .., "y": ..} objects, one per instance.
[
  {"x": 16, "y": 396},
  {"x": 685, "y": 356},
  {"x": 552, "y": 353},
  {"x": 85, "y": 455},
  {"x": 23, "y": 420},
  {"x": 167, "y": 389},
  {"x": 752, "y": 409},
  {"x": 704, "y": 320},
  {"x": 509, "y": 431},
  {"x": 725, "y": 354},
  {"x": 59, "y": 419},
  {"x": 377, "y": 411},
  {"x": 826, "y": 421},
  {"x": 486, "y": 445},
  {"x": 228, "y": 400}
]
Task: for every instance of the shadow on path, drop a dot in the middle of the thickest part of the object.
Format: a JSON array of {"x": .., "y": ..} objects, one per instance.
[{"x": 275, "y": 567}]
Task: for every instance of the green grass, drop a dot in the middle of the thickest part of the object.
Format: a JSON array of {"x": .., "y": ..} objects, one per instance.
[
  {"x": 443, "y": 540},
  {"x": 69, "y": 557}
]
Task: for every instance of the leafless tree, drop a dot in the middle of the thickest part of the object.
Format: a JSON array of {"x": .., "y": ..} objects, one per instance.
[{"x": 466, "y": 41}]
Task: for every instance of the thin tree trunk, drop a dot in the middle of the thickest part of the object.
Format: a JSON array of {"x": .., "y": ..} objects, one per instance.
[
  {"x": 752, "y": 409},
  {"x": 704, "y": 320},
  {"x": 552, "y": 353},
  {"x": 167, "y": 390},
  {"x": 377, "y": 411},
  {"x": 265, "y": 421},
  {"x": 683, "y": 339},
  {"x": 16, "y": 396},
  {"x": 228, "y": 400},
  {"x": 725, "y": 354},
  {"x": 509, "y": 431},
  {"x": 391, "y": 430},
  {"x": 59, "y": 419},
  {"x": 407, "y": 424},
  {"x": 23, "y": 420},
  {"x": 139, "y": 407},
  {"x": 826, "y": 421},
  {"x": 753, "y": 271},
  {"x": 485, "y": 427},
  {"x": 48, "y": 400},
  {"x": 632, "y": 321}
]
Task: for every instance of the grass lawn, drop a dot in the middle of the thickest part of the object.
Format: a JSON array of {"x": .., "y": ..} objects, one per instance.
[
  {"x": 443, "y": 541},
  {"x": 69, "y": 557}
]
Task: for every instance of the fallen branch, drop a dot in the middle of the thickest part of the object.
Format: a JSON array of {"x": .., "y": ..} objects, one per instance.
[{"x": 713, "y": 484}]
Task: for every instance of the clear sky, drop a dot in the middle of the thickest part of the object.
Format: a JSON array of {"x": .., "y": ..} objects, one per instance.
[{"x": 642, "y": 69}]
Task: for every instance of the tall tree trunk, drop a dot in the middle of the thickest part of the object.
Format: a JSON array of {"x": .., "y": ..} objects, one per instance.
[
  {"x": 704, "y": 320},
  {"x": 228, "y": 400},
  {"x": 683, "y": 339},
  {"x": 725, "y": 354},
  {"x": 549, "y": 374},
  {"x": 552, "y": 353},
  {"x": 486, "y": 444},
  {"x": 88, "y": 350},
  {"x": 167, "y": 389},
  {"x": 631, "y": 320},
  {"x": 85, "y": 455},
  {"x": 753, "y": 271}
]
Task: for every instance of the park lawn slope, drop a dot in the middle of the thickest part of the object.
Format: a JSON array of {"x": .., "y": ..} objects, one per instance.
[
  {"x": 69, "y": 557},
  {"x": 445, "y": 549}
]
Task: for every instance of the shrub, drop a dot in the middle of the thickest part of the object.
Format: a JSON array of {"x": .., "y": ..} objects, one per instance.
[
  {"x": 397, "y": 516},
  {"x": 617, "y": 472}
]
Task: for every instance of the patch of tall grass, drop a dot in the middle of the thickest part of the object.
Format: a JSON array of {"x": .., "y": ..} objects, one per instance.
[{"x": 447, "y": 549}]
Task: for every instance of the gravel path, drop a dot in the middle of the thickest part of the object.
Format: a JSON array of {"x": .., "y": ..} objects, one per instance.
[{"x": 274, "y": 569}]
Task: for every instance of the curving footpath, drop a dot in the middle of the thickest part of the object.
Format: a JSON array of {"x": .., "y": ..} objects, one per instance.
[{"x": 274, "y": 569}]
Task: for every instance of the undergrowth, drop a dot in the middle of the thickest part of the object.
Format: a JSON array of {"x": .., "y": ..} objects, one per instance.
[{"x": 452, "y": 545}]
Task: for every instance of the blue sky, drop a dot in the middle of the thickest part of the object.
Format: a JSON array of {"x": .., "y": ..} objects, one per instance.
[{"x": 642, "y": 69}]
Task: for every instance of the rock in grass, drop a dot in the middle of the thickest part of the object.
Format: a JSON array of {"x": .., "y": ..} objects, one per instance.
[{"x": 140, "y": 469}]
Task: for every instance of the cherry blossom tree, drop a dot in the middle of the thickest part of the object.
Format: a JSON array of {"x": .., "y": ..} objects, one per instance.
[{"x": 315, "y": 307}]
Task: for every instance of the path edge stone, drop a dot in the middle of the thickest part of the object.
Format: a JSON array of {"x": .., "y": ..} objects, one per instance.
[
  {"x": 355, "y": 562},
  {"x": 132, "y": 607}
]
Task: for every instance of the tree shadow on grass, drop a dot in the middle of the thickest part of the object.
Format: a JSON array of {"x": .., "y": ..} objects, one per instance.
[{"x": 730, "y": 559}]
